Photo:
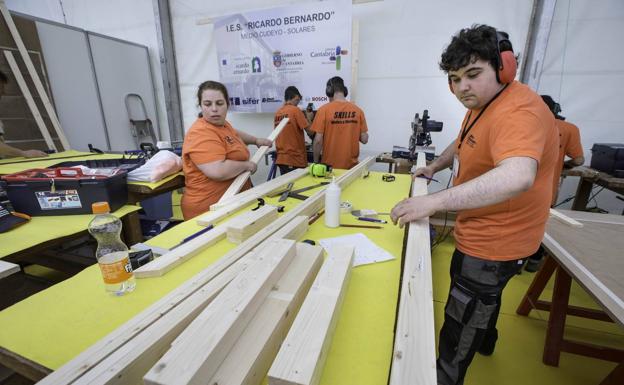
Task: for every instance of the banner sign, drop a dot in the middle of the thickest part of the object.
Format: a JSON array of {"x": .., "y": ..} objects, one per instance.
[{"x": 261, "y": 53}]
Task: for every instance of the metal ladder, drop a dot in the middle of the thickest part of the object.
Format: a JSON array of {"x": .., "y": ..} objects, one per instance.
[{"x": 141, "y": 128}]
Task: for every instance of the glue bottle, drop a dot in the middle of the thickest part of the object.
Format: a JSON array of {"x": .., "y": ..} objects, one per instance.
[
  {"x": 111, "y": 253},
  {"x": 332, "y": 204}
]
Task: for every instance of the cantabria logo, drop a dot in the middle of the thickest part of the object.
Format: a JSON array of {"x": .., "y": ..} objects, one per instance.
[
  {"x": 337, "y": 57},
  {"x": 333, "y": 55}
]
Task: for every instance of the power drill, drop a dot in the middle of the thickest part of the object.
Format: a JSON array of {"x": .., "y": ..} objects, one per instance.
[{"x": 320, "y": 169}]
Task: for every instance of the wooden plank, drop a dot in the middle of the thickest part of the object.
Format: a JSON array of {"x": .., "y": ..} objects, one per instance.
[
  {"x": 252, "y": 355},
  {"x": 129, "y": 363},
  {"x": 260, "y": 190},
  {"x": 21, "y": 82},
  {"x": 197, "y": 353},
  {"x": 34, "y": 75},
  {"x": 167, "y": 262},
  {"x": 25, "y": 367},
  {"x": 414, "y": 357},
  {"x": 245, "y": 225},
  {"x": 240, "y": 180},
  {"x": 301, "y": 359},
  {"x": 564, "y": 218},
  {"x": 8, "y": 268},
  {"x": 120, "y": 336},
  {"x": 294, "y": 230}
]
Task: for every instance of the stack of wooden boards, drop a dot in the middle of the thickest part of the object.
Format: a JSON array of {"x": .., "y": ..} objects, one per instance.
[{"x": 225, "y": 325}]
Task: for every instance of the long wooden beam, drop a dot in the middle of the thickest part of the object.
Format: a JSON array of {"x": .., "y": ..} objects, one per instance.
[
  {"x": 97, "y": 352},
  {"x": 260, "y": 190},
  {"x": 301, "y": 359},
  {"x": 167, "y": 262},
  {"x": 197, "y": 353},
  {"x": 129, "y": 363},
  {"x": 240, "y": 180},
  {"x": 564, "y": 218},
  {"x": 414, "y": 358},
  {"x": 34, "y": 75},
  {"x": 250, "y": 358},
  {"x": 245, "y": 225},
  {"x": 21, "y": 82}
]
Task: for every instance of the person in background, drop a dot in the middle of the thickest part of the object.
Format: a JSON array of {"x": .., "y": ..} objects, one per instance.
[
  {"x": 340, "y": 127},
  {"x": 569, "y": 145},
  {"x": 503, "y": 162},
  {"x": 213, "y": 153},
  {"x": 290, "y": 144},
  {"x": 5, "y": 149}
]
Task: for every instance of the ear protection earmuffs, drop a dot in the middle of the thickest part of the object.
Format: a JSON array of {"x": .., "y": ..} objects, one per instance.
[
  {"x": 507, "y": 64},
  {"x": 330, "y": 88}
]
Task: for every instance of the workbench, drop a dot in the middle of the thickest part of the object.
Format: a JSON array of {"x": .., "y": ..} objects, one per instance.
[
  {"x": 50, "y": 328},
  {"x": 137, "y": 191},
  {"x": 589, "y": 177},
  {"x": 592, "y": 256}
]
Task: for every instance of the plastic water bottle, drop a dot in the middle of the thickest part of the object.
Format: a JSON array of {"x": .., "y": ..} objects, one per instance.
[
  {"x": 111, "y": 253},
  {"x": 332, "y": 204}
]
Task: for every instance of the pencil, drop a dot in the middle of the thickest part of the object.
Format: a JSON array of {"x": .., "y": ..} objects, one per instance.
[
  {"x": 426, "y": 177},
  {"x": 362, "y": 226}
]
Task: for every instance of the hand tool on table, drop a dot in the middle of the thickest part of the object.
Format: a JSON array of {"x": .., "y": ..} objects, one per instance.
[
  {"x": 288, "y": 193},
  {"x": 429, "y": 179},
  {"x": 367, "y": 213},
  {"x": 362, "y": 226},
  {"x": 366, "y": 219},
  {"x": 284, "y": 195},
  {"x": 192, "y": 236}
]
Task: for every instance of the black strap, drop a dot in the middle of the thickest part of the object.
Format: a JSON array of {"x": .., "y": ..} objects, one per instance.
[{"x": 466, "y": 130}]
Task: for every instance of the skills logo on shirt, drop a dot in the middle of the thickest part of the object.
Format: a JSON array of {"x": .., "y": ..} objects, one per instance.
[{"x": 229, "y": 140}]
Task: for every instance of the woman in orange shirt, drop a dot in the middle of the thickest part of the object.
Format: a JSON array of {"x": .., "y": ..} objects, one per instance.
[{"x": 214, "y": 153}]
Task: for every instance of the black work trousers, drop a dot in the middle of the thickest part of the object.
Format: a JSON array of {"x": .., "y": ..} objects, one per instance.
[
  {"x": 285, "y": 169},
  {"x": 471, "y": 312}
]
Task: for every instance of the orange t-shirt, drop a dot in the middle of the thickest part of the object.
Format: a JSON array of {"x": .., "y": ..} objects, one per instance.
[
  {"x": 516, "y": 124},
  {"x": 290, "y": 143},
  {"x": 341, "y": 123},
  {"x": 570, "y": 145},
  {"x": 207, "y": 143}
]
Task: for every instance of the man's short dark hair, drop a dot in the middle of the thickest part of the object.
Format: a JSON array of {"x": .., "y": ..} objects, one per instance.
[
  {"x": 3, "y": 78},
  {"x": 291, "y": 93},
  {"x": 553, "y": 106},
  {"x": 335, "y": 84},
  {"x": 471, "y": 44}
]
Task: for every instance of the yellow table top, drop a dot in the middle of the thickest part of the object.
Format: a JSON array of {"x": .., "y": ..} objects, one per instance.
[
  {"x": 55, "y": 325},
  {"x": 46, "y": 228}
]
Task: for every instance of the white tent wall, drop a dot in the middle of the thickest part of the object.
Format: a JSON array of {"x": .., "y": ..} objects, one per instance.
[
  {"x": 127, "y": 20},
  {"x": 584, "y": 71},
  {"x": 400, "y": 42}
]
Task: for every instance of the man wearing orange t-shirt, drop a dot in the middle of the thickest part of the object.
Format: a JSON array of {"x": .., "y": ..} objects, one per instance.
[
  {"x": 569, "y": 145},
  {"x": 290, "y": 144},
  {"x": 503, "y": 161},
  {"x": 340, "y": 127}
]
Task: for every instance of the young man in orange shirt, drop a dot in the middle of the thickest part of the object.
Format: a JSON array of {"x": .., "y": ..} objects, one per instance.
[
  {"x": 340, "y": 127},
  {"x": 569, "y": 145},
  {"x": 503, "y": 161},
  {"x": 290, "y": 144}
]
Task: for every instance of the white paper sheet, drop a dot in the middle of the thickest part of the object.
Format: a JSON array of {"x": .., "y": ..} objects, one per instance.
[{"x": 366, "y": 251}]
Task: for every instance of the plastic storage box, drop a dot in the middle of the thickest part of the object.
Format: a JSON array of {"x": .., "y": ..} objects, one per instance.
[
  {"x": 609, "y": 158},
  {"x": 63, "y": 191}
]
